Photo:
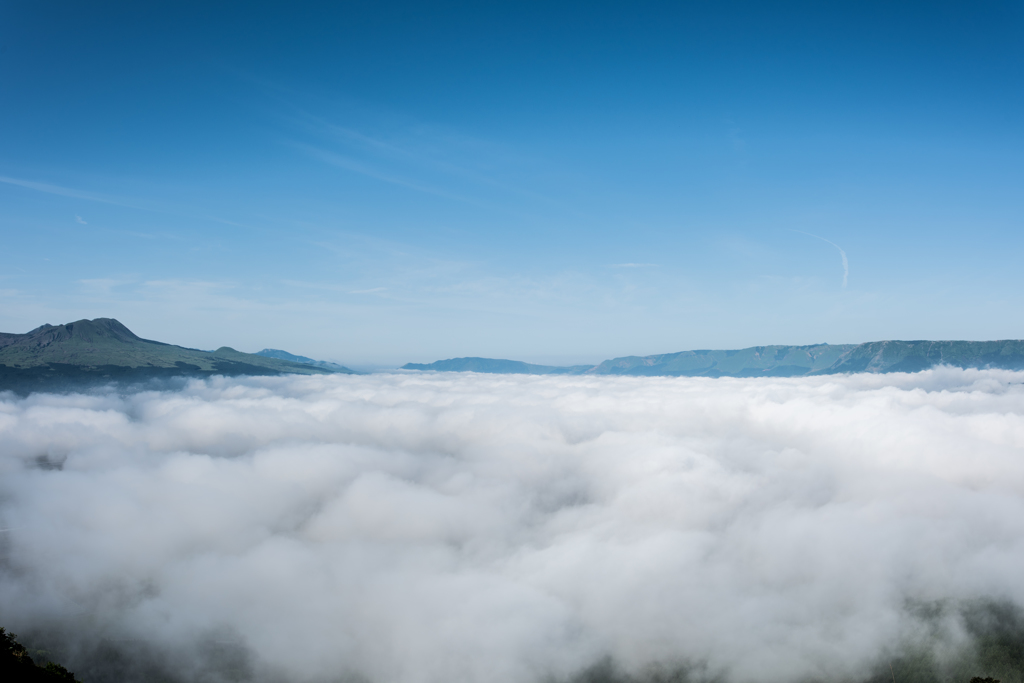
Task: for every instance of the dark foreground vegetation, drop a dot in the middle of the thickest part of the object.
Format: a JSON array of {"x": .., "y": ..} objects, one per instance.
[
  {"x": 16, "y": 666},
  {"x": 992, "y": 653}
]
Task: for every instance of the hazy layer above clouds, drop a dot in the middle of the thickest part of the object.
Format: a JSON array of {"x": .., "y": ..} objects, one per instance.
[{"x": 510, "y": 529}]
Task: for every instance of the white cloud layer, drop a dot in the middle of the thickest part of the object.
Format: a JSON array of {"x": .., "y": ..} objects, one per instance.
[{"x": 472, "y": 528}]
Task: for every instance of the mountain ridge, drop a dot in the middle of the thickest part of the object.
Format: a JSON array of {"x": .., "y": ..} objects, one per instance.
[
  {"x": 496, "y": 366},
  {"x": 54, "y": 357},
  {"x": 772, "y": 361},
  {"x": 284, "y": 355}
]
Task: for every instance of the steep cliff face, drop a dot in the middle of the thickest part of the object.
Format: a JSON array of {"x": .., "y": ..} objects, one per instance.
[{"x": 912, "y": 356}]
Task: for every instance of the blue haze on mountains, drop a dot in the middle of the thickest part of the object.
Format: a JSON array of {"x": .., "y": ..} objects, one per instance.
[{"x": 379, "y": 183}]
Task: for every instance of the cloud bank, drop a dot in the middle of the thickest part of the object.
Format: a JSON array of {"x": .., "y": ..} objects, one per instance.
[{"x": 510, "y": 529}]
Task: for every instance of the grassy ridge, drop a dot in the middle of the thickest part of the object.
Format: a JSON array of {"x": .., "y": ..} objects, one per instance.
[{"x": 58, "y": 356}]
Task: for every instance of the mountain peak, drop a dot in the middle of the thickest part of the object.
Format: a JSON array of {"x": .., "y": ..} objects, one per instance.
[
  {"x": 103, "y": 349},
  {"x": 96, "y": 331}
]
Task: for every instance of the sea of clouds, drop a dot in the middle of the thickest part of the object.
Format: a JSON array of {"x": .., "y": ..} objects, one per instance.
[{"x": 420, "y": 528}]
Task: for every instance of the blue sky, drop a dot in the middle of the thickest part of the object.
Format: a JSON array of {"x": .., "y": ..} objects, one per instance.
[{"x": 378, "y": 183}]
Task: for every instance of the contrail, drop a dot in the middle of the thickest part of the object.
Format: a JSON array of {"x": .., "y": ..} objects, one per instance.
[{"x": 842, "y": 253}]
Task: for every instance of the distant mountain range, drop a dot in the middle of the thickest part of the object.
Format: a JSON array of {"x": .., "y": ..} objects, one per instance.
[
  {"x": 56, "y": 357},
  {"x": 772, "y": 361},
  {"x": 493, "y": 365},
  {"x": 53, "y": 357},
  {"x": 322, "y": 364}
]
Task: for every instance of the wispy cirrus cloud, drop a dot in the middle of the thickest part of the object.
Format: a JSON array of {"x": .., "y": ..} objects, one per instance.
[
  {"x": 69, "y": 192},
  {"x": 103, "y": 286},
  {"x": 477, "y": 168},
  {"x": 115, "y": 200},
  {"x": 350, "y": 164}
]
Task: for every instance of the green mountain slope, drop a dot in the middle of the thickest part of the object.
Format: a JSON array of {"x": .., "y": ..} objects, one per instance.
[
  {"x": 496, "y": 366},
  {"x": 773, "y": 361},
  {"x": 56, "y": 356}
]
